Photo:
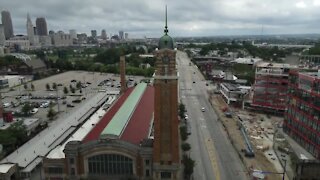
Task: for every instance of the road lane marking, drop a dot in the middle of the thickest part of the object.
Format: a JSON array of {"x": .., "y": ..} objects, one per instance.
[{"x": 212, "y": 155}]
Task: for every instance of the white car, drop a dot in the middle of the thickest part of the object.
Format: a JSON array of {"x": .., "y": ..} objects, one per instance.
[
  {"x": 6, "y": 105},
  {"x": 186, "y": 117},
  {"x": 34, "y": 110},
  {"x": 203, "y": 109}
]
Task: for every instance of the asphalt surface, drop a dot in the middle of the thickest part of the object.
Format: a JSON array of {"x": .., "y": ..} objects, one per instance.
[{"x": 211, "y": 149}]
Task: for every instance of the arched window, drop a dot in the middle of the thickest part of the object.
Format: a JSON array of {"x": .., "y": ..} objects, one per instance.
[{"x": 110, "y": 164}]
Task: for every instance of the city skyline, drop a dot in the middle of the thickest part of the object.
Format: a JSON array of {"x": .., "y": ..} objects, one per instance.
[{"x": 201, "y": 18}]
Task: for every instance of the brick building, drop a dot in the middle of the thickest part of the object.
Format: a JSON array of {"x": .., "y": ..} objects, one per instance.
[{"x": 301, "y": 120}]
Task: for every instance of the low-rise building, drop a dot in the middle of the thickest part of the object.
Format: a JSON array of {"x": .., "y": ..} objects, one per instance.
[
  {"x": 233, "y": 94},
  {"x": 10, "y": 81}
]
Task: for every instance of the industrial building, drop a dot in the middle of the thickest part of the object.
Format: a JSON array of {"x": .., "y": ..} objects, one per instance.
[
  {"x": 301, "y": 120},
  {"x": 116, "y": 145},
  {"x": 270, "y": 87}
]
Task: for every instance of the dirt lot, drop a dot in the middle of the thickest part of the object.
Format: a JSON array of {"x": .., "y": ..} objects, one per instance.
[{"x": 259, "y": 162}]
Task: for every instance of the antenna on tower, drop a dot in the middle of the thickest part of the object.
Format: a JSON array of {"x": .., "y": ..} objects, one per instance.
[{"x": 166, "y": 25}]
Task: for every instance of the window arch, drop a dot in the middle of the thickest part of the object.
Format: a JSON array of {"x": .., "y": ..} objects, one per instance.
[{"x": 110, "y": 164}]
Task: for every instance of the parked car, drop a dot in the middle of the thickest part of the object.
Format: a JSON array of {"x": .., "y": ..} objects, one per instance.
[
  {"x": 70, "y": 105},
  {"x": 34, "y": 110}
]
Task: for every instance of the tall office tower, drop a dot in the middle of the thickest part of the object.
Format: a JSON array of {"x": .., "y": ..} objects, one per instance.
[
  {"x": 126, "y": 36},
  {"x": 73, "y": 33},
  {"x": 166, "y": 161},
  {"x": 2, "y": 37},
  {"x": 121, "y": 34},
  {"x": 103, "y": 34},
  {"x": 301, "y": 120},
  {"x": 7, "y": 24},
  {"x": 41, "y": 26},
  {"x": 30, "y": 30},
  {"x": 94, "y": 33}
]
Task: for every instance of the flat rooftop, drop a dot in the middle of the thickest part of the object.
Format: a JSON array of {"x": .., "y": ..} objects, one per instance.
[
  {"x": 27, "y": 156},
  {"x": 274, "y": 65},
  {"x": 136, "y": 125}
]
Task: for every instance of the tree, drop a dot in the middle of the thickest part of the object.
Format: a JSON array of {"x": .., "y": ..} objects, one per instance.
[
  {"x": 183, "y": 133},
  {"x": 51, "y": 114},
  {"x": 188, "y": 166},
  {"x": 78, "y": 85},
  {"x": 185, "y": 146},
  {"x": 182, "y": 110},
  {"x": 65, "y": 90},
  {"x": 25, "y": 86},
  {"x": 48, "y": 87},
  {"x": 73, "y": 90},
  {"x": 32, "y": 87},
  {"x": 26, "y": 109},
  {"x": 18, "y": 130},
  {"x": 54, "y": 86}
]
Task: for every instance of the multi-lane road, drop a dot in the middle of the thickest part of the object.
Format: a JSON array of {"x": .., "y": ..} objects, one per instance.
[{"x": 211, "y": 149}]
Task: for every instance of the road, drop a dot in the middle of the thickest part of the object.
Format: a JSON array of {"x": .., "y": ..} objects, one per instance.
[{"x": 210, "y": 147}]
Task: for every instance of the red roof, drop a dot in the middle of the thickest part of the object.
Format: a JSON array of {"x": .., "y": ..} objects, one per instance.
[
  {"x": 96, "y": 131},
  {"x": 139, "y": 124}
]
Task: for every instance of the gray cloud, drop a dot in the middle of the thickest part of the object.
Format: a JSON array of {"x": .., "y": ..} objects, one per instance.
[{"x": 186, "y": 18}]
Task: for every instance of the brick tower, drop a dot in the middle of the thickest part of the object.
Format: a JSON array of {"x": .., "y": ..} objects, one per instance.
[{"x": 166, "y": 161}]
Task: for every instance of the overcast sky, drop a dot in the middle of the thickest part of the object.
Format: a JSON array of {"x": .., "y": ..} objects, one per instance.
[{"x": 185, "y": 17}]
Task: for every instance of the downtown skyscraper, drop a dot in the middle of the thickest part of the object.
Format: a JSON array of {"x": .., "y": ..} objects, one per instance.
[
  {"x": 30, "y": 30},
  {"x": 7, "y": 24},
  {"x": 41, "y": 24}
]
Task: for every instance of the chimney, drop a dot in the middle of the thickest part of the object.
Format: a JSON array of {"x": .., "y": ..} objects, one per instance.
[{"x": 123, "y": 74}]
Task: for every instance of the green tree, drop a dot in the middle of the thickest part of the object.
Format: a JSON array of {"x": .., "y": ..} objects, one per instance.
[
  {"x": 32, "y": 87},
  {"x": 73, "y": 90},
  {"x": 26, "y": 108},
  {"x": 54, "y": 86},
  {"x": 25, "y": 86},
  {"x": 48, "y": 87},
  {"x": 18, "y": 130},
  {"x": 185, "y": 146},
  {"x": 78, "y": 85},
  {"x": 65, "y": 90},
  {"x": 182, "y": 110},
  {"x": 51, "y": 114},
  {"x": 188, "y": 166},
  {"x": 183, "y": 133}
]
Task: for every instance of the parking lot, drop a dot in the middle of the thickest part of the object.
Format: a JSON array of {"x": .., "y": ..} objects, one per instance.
[{"x": 42, "y": 98}]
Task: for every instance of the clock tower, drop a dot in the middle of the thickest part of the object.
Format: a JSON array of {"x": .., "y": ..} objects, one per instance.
[{"x": 166, "y": 161}]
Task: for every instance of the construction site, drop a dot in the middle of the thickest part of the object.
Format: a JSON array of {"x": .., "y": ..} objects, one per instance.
[{"x": 275, "y": 137}]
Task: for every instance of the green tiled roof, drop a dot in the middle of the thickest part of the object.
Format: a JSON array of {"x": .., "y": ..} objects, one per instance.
[{"x": 120, "y": 120}]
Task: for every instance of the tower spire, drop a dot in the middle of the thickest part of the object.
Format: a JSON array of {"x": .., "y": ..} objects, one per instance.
[{"x": 166, "y": 25}]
